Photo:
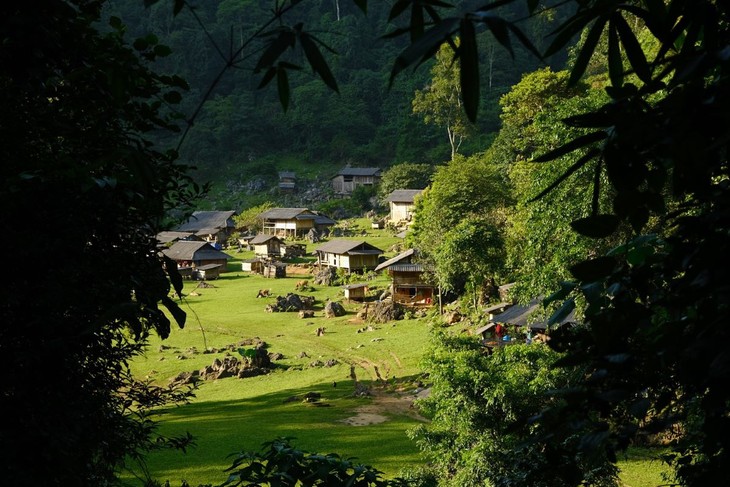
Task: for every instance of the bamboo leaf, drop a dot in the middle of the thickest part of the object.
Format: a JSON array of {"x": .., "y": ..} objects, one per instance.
[
  {"x": 615, "y": 63},
  {"x": 417, "y": 25},
  {"x": 566, "y": 287},
  {"x": 425, "y": 46},
  {"x": 276, "y": 48},
  {"x": 562, "y": 312},
  {"x": 469, "y": 61},
  {"x": 175, "y": 311},
  {"x": 398, "y": 8},
  {"x": 362, "y": 5},
  {"x": 580, "y": 163},
  {"x": 594, "y": 269},
  {"x": 499, "y": 30},
  {"x": 634, "y": 53},
  {"x": 172, "y": 272},
  {"x": 587, "y": 50},
  {"x": 270, "y": 73},
  {"x": 282, "y": 83},
  {"x": 574, "y": 144},
  {"x": 524, "y": 40},
  {"x": 566, "y": 32},
  {"x": 596, "y": 226},
  {"x": 317, "y": 61}
]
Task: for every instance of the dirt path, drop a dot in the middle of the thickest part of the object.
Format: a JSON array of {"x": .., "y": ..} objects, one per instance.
[{"x": 385, "y": 404}]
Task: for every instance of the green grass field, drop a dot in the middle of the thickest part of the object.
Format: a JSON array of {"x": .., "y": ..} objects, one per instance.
[{"x": 229, "y": 415}]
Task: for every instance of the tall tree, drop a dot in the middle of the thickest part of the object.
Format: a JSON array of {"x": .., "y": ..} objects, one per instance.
[
  {"x": 84, "y": 192},
  {"x": 541, "y": 244},
  {"x": 466, "y": 189},
  {"x": 404, "y": 175},
  {"x": 440, "y": 102}
]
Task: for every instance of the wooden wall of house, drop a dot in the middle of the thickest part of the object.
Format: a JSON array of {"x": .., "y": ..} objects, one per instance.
[{"x": 400, "y": 211}]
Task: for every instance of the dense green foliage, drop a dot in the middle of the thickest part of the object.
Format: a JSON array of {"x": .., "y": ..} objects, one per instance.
[
  {"x": 460, "y": 217},
  {"x": 405, "y": 175},
  {"x": 653, "y": 344},
  {"x": 440, "y": 102},
  {"x": 280, "y": 464},
  {"x": 366, "y": 122},
  {"x": 541, "y": 245},
  {"x": 84, "y": 193},
  {"x": 479, "y": 408}
]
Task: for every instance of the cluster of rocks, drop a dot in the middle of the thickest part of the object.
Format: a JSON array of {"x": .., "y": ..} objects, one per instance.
[
  {"x": 291, "y": 302},
  {"x": 329, "y": 363},
  {"x": 230, "y": 366}
]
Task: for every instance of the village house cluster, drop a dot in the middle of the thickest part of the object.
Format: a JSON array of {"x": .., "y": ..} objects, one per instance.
[{"x": 198, "y": 248}]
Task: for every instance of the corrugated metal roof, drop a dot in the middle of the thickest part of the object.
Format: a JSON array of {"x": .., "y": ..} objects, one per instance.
[
  {"x": 189, "y": 250},
  {"x": 406, "y": 268},
  {"x": 208, "y": 219},
  {"x": 347, "y": 247},
  {"x": 287, "y": 174},
  {"x": 286, "y": 214},
  {"x": 397, "y": 258},
  {"x": 404, "y": 195},
  {"x": 520, "y": 315},
  {"x": 359, "y": 171},
  {"x": 517, "y": 314}
]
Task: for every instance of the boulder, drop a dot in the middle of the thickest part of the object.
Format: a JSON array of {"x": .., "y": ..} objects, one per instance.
[
  {"x": 326, "y": 277},
  {"x": 385, "y": 311},
  {"x": 452, "y": 317},
  {"x": 333, "y": 309}
]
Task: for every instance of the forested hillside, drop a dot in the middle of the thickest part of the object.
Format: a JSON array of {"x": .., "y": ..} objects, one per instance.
[{"x": 243, "y": 131}]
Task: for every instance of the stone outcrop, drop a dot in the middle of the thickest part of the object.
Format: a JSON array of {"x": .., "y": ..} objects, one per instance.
[
  {"x": 385, "y": 311},
  {"x": 333, "y": 309}
]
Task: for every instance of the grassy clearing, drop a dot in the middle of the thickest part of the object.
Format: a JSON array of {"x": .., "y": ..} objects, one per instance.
[
  {"x": 231, "y": 415},
  {"x": 643, "y": 467}
]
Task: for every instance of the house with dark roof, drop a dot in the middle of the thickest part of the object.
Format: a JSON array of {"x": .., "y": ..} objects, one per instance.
[
  {"x": 402, "y": 203},
  {"x": 192, "y": 254},
  {"x": 345, "y": 181},
  {"x": 293, "y": 222},
  {"x": 212, "y": 226},
  {"x": 266, "y": 246},
  {"x": 408, "y": 286},
  {"x": 351, "y": 255},
  {"x": 172, "y": 237}
]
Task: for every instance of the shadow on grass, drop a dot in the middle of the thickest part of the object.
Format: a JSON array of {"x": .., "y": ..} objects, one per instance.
[{"x": 224, "y": 427}]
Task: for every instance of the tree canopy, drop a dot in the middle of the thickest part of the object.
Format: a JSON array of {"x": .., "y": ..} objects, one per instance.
[
  {"x": 84, "y": 192},
  {"x": 652, "y": 345}
]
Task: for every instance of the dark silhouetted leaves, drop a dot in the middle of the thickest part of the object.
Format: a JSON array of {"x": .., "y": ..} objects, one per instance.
[
  {"x": 596, "y": 226},
  {"x": 593, "y": 270},
  {"x": 469, "y": 59}
]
